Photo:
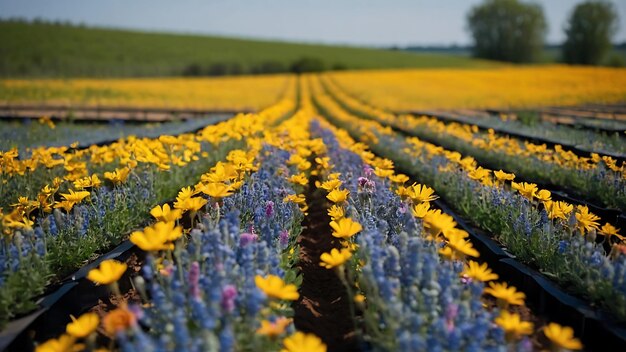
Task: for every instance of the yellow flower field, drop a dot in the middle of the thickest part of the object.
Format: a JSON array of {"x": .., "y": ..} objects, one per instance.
[
  {"x": 241, "y": 93},
  {"x": 515, "y": 87}
]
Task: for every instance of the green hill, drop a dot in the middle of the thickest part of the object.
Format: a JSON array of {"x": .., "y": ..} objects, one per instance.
[{"x": 56, "y": 50}]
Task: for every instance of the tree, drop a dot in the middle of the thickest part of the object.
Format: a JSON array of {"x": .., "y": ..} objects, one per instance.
[
  {"x": 589, "y": 30},
  {"x": 507, "y": 30}
]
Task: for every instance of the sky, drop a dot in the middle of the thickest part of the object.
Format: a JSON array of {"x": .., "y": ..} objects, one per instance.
[{"x": 355, "y": 22}]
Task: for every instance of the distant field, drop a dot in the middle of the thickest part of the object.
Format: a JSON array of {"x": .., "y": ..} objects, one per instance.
[
  {"x": 239, "y": 93},
  {"x": 508, "y": 87},
  {"x": 49, "y": 50}
]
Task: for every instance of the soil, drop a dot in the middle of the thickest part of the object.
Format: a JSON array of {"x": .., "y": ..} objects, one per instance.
[{"x": 323, "y": 308}]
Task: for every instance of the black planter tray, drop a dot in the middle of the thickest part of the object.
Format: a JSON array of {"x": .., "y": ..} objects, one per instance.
[{"x": 75, "y": 295}]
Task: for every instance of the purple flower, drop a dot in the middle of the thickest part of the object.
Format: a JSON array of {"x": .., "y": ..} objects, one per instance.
[
  {"x": 247, "y": 238},
  {"x": 283, "y": 237},
  {"x": 269, "y": 208},
  {"x": 194, "y": 278},
  {"x": 229, "y": 294}
]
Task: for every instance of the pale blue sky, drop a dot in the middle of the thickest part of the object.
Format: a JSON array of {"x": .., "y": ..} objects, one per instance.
[{"x": 359, "y": 22}]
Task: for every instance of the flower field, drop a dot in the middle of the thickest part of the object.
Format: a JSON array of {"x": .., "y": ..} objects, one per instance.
[{"x": 330, "y": 219}]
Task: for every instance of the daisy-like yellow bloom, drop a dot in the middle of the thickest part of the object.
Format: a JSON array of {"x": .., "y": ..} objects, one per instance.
[
  {"x": 437, "y": 222},
  {"x": 273, "y": 329},
  {"x": 335, "y": 258},
  {"x": 459, "y": 248},
  {"x": 221, "y": 172},
  {"x": 543, "y": 195},
  {"x": 301, "y": 342},
  {"x": 586, "y": 220},
  {"x": 83, "y": 326},
  {"x": 562, "y": 337},
  {"x": 108, "y": 272},
  {"x": 420, "y": 210},
  {"x": 118, "y": 176},
  {"x": 338, "y": 196},
  {"x": 421, "y": 193},
  {"x": 190, "y": 204},
  {"x": 335, "y": 212},
  {"x": 185, "y": 193},
  {"x": 558, "y": 209},
  {"x": 399, "y": 178},
  {"x": 345, "y": 228},
  {"x": 505, "y": 294},
  {"x": 166, "y": 213},
  {"x": 610, "y": 231},
  {"x": 274, "y": 287},
  {"x": 513, "y": 326},
  {"x": 528, "y": 190},
  {"x": 296, "y": 198},
  {"x": 75, "y": 197},
  {"x": 331, "y": 184},
  {"x": 157, "y": 237},
  {"x": 93, "y": 181},
  {"x": 65, "y": 205},
  {"x": 479, "y": 173},
  {"x": 383, "y": 173},
  {"x": 503, "y": 176},
  {"x": 478, "y": 272},
  {"x": 299, "y": 179},
  {"x": 65, "y": 343},
  {"x": 324, "y": 162},
  {"x": 216, "y": 190}
]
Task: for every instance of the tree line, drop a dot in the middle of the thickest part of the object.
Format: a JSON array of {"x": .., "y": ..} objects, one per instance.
[{"x": 514, "y": 31}]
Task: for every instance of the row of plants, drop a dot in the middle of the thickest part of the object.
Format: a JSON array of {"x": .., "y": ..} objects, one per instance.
[
  {"x": 597, "y": 178},
  {"x": 564, "y": 241},
  {"x": 25, "y": 134},
  {"x": 25, "y": 176},
  {"x": 226, "y": 283},
  {"x": 410, "y": 271},
  {"x": 45, "y": 239}
]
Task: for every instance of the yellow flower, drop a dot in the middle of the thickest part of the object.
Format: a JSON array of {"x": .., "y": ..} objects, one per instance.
[
  {"x": 399, "y": 178},
  {"x": 108, "y": 272},
  {"x": 359, "y": 298},
  {"x": 479, "y": 272},
  {"x": 190, "y": 204},
  {"x": 543, "y": 195},
  {"x": 65, "y": 343},
  {"x": 216, "y": 190},
  {"x": 299, "y": 179},
  {"x": 296, "y": 198},
  {"x": 609, "y": 231},
  {"x": 335, "y": 258},
  {"x": 506, "y": 295},
  {"x": 65, "y": 205},
  {"x": 562, "y": 337},
  {"x": 338, "y": 196},
  {"x": 335, "y": 212},
  {"x": 503, "y": 176},
  {"x": 331, "y": 184},
  {"x": 273, "y": 329},
  {"x": 166, "y": 213},
  {"x": 75, "y": 197},
  {"x": 459, "y": 248},
  {"x": 421, "y": 193},
  {"x": 558, "y": 210},
  {"x": 586, "y": 220},
  {"x": 513, "y": 325},
  {"x": 118, "y": 176},
  {"x": 437, "y": 222},
  {"x": 157, "y": 237},
  {"x": 420, "y": 210},
  {"x": 345, "y": 227},
  {"x": 528, "y": 190},
  {"x": 275, "y": 287},
  {"x": 301, "y": 342},
  {"x": 87, "y": 182},
  {"x": 83, "y": 326}
]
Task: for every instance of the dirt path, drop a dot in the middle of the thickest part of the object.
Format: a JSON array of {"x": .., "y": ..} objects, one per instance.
[{"x": 323, "y": 308}]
